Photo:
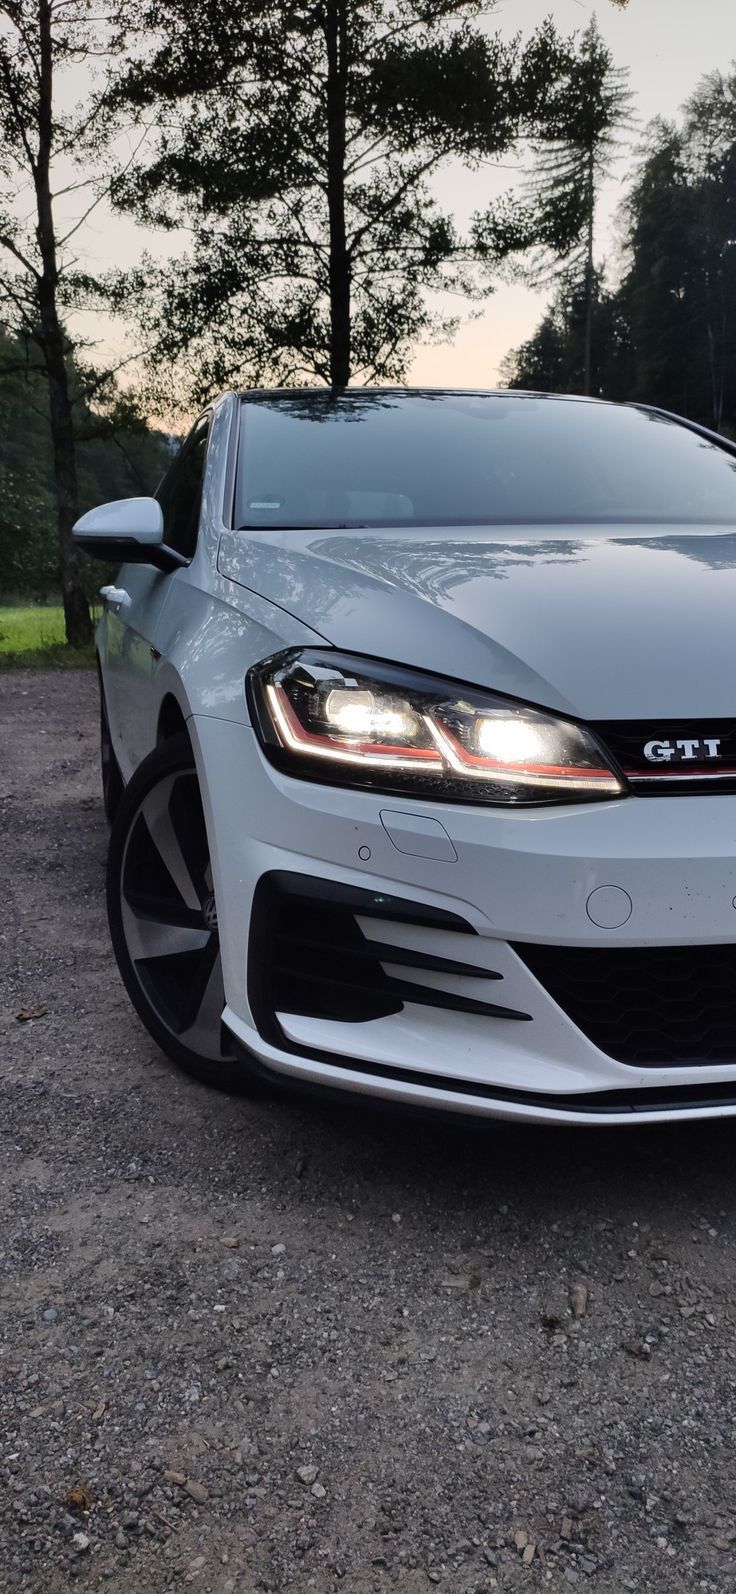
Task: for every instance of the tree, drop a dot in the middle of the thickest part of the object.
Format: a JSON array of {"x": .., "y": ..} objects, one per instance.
[
  {"x": 553, "y": 359},
  {"x": 574, "y": 147},
  {"x": 667, "y": 334},
  {"x": 39, "y": 280},
  {"x": 297, "y": 140},
  {"x": 111, "y": 463},
  {"x": 658, "y": 290},
  {"x": 710, "y": 156},
  {"x": 679, "y": 287},
  {"x": 538, "y": 366}
]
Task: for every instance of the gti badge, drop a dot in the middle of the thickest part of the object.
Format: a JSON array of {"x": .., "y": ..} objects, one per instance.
[{"x": 688, "y": 751}]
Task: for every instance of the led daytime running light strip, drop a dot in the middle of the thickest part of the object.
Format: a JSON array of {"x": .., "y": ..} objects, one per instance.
[
  {"x": 449, "y": 752},
  {"x": 551, "y": 775}
]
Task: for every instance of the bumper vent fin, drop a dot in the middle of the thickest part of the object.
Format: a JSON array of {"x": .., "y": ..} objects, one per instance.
[{"x": 309, "y": 956}]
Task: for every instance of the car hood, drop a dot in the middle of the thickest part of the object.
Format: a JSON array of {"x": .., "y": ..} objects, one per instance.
[{"x": 600, "y": 623}]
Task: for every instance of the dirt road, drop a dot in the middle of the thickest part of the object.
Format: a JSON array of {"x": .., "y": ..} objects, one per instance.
[{"x": 266, "y": 1345}]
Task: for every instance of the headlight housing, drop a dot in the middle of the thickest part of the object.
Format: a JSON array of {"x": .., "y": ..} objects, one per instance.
[{"x": 341, "y": 719}]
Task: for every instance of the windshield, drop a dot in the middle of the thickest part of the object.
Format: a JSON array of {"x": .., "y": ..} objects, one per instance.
[{"x": 455, "y": 459}]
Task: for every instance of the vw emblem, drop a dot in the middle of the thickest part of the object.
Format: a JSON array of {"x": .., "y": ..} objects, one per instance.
[{"x": 209, "y": 912}]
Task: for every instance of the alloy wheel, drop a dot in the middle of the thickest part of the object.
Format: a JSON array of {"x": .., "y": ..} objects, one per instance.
[{"x": 164, "y": 908}]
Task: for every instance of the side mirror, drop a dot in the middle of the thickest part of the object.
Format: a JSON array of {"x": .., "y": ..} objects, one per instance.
[{"x": 128, "y": 531}]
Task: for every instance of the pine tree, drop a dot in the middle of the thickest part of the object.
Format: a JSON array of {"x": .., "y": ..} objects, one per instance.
[{"x": 575, "y": 145}]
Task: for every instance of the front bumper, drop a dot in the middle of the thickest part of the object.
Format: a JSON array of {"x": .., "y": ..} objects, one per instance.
[{"x": 488, "y": 885}]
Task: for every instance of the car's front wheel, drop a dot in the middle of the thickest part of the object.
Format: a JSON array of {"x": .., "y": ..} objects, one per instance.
[{"x": 163, "y": 915}]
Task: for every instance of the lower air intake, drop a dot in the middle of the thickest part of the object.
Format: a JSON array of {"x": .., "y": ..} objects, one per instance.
[{"x": 310, "y": 956}]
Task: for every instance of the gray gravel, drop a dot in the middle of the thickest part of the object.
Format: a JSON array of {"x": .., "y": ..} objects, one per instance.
[{"x": 265, "y": 1345}]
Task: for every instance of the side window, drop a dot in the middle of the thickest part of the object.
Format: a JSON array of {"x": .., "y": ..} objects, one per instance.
[{"x": 180, "y": 492}]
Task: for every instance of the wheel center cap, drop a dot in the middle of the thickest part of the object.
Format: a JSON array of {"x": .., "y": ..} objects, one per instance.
[{"x": 209, "y": 912}]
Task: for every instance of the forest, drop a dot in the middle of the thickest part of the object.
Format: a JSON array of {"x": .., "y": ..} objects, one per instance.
[{"x": 113, "y": 463}]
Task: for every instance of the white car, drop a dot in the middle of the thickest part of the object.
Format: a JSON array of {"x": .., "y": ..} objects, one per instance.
[{"x": 419, "y": 737}]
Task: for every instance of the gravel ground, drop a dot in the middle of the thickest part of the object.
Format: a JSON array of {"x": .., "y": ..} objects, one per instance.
[{"x": 264, "y": 1345}]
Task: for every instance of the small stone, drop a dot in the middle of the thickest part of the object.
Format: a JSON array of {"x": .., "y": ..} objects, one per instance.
[
  {"x": 638, "y": 1348},
  {"x": 230, "y": 1240},
  {"x": 528, "y": 1554},
  {"x": 278, "y": 1250},
  {"x": 318, "y": 1490},
  {"x": 197, "y": 1491},
  {"x": 307, "y": 1475},
  {"x": 121, "y": 1540},
  {"x": 79, "y": 1498},
  {"x": 521, "y": 1540},
  {"x": 578, "y": 1298},
  {"x": 80, "y": 1543},
  {"x": 178, "y": 1478},
  {"x": 50, "y": 1315}
]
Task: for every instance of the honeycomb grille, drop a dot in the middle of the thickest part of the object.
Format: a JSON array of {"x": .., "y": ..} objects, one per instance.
[{"x": 650, "y": 1006}]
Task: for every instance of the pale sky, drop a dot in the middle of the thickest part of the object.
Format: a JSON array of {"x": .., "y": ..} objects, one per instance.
[{"x": 667, "y": 45}]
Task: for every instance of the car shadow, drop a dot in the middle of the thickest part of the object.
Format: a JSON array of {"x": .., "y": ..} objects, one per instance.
[{"x": 648, "y": 1170}]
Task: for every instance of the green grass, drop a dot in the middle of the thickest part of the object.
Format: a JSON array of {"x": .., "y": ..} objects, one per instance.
[{"x": 32, "y": 638}]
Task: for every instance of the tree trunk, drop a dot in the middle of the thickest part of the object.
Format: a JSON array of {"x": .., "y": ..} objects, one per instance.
[
  {"x": 335, "y": 26},
  {"x": 589, "y": 281},
  {"x": 712, "y": 369},
  {"x": 76, "y": 608}
]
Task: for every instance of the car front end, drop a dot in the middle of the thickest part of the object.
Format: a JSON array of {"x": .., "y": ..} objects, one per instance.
[{"x": 531, "y": 952}]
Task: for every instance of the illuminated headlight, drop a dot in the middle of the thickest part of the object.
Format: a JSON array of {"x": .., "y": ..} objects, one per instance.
[{"x": 334, "y": 717}]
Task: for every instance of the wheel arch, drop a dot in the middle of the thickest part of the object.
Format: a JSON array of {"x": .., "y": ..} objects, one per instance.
[{"x": 171, "y": 720}]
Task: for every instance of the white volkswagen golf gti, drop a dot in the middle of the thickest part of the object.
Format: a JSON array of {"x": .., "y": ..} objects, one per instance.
[{"x": 419, "y": 741}]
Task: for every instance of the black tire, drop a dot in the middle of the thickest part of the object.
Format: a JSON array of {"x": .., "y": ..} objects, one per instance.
[
  {"x": 113, "y": 785},
  {"x": 164, "y": 924}
]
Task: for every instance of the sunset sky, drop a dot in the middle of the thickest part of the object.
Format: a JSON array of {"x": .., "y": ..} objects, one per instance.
[{"x": 667, "y": 45}]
